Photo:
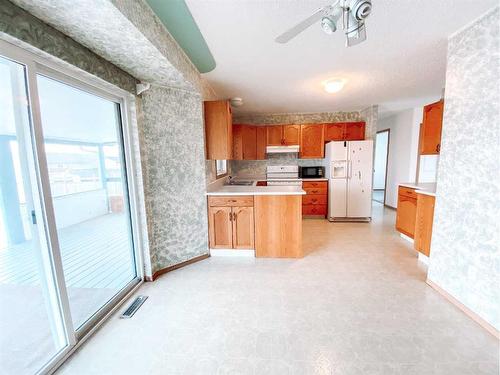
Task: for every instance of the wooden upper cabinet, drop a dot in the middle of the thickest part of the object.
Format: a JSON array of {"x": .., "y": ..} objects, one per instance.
[
  {"x": 354, "y": 131},
  {"x": 423, "y": 223},
  {"x": 345, "y": 131},
  {"x": 249, "y": 143},
  {"x": 220, "y": 227},
  {"x": 291, "y": 134},
  {"x": 218, "y": 130},
  {"x": 334, "y": 131},
  {"x": 274, "y": 135},
  {"x": 312, "y": 145},
  {"x": 406, "y": 212},
  {"x": 237, "y": 142},
  {"x": 261, "y": 134},
  {"x": 430, "y": 133},
  {"x": 243, "y": 228}
]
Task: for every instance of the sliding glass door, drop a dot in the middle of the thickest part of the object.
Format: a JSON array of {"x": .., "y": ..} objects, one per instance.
[
  {"x": 68, "y": 252},
  {"x": 85, "y": 162},
  {"x": 31, "y": 323}
]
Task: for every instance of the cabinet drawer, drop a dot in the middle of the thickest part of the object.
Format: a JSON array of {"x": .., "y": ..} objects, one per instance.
[
  {"x": 407, "y": 192},
  {"x": 231, "y": 201},
  {"x": 315, "y": 184},
  {"x": 313, "y": 199},
  {"x": 319, "y": 209},
  {"x": 316, "y": 191}
]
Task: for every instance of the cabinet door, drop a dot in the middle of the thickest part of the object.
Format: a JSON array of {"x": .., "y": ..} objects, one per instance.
[
  {"x": 274, "y": 135},
  {"x": 243, "y": 228},
  {"x": 249, "y": 142},
  {"x": 312, "y": 144},
  {"x": 218, "y": 130},
  {"x": 220, "y": 227},
  {"x": 237, "y": 142},
  {"x": 261, "y": 142},
  {"x": 423, "y": 223},
  {"x": 406, "y": 215},
  {"x": 291, "y": 134},
  {"x": 354, "y": 131},
  {"x": 430, "y": 142},
  {"x": 334, "y": 131}
]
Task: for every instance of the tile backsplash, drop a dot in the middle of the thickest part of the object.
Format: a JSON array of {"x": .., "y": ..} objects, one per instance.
[{"x": 258, "y": 167}]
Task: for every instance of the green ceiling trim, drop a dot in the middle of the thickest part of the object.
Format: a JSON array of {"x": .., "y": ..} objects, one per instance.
[{"x": 177, "y": 18}]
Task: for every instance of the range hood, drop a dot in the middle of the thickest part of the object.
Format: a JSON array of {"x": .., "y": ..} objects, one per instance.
[{"x": 282, "y": 149}]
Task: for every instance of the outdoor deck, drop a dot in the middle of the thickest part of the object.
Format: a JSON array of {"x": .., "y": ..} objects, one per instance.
[{"x": 95, "y": 254}]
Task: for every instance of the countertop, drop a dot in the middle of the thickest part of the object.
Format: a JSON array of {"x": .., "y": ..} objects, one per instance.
[
  {"x": 421, "y": 188},
  {"x": 255, "y": 190}
]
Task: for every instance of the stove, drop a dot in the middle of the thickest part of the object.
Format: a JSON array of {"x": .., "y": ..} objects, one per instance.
[{"x": 283, "y": 175}]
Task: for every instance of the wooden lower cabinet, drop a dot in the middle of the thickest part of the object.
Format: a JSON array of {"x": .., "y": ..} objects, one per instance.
[
  {"x": 406, "y": 211},
  {"x": 423, "y": 223},
  {"x": 315, "y": 202},
  {"x": 220, "y": 227},
  {"x": 278, "y": 226},
  {"x": 243, "y": 228},
  {"x": 231, "y": 222}
]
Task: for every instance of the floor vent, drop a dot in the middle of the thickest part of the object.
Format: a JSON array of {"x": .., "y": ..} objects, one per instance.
[{"x": 133, "y": 307}]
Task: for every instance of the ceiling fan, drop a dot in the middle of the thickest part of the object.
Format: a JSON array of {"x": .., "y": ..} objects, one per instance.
[{"x": 353, "y": 13}]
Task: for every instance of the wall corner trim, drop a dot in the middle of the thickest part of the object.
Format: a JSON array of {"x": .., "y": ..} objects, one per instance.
[
  {"x": 471, "y": 314},
  {"x": 176, "y": 266}
]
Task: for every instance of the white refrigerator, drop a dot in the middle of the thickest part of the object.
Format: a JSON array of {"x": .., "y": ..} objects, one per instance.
[{"x": 349, "y": 170}]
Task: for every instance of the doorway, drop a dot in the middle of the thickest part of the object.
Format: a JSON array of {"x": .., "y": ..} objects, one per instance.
[{"x": 380, "y": 165}]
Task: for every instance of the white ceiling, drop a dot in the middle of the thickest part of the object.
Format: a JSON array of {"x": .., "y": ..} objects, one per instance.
[{"x": 401, "y": 64}]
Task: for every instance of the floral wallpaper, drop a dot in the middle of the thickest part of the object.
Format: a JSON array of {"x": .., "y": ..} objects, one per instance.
[
  {"x": 20, "y": 27},
  {"x": 295, "y": 118},
  {"x": 465, "y": 253},
  {"x": 174, "y": 172}
]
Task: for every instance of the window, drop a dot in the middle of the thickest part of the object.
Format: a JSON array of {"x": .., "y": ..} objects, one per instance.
[{"x": 221, "y": 167}]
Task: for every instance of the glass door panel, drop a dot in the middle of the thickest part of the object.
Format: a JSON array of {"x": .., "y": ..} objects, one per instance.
[
  {"x": 84, "y": 151},
  {"x": 31, "y": 323}
]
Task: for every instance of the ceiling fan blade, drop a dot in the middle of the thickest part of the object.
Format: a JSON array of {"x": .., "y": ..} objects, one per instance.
[{"x": 297, "y": 29}]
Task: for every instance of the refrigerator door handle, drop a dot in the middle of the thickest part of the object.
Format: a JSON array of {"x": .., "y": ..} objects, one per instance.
[{"x": 349, "y": 169}]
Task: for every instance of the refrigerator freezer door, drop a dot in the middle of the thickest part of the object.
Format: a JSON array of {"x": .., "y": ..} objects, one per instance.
[
  {"x": 359, "y": 194},
  {"x": 335, "y": 151},
  {"x": 337, "y": 196}
]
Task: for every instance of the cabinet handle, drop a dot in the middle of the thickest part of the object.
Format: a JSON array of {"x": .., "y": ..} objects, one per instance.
[
  {"x": 438, "y": 147},
  {"x": 234, "y": 216},
  {"x": 232, "y": 200},
  {"x": 314, "y": 191}
]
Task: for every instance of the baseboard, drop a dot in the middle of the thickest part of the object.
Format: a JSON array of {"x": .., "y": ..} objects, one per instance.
[
  {"x": 471, "y": 314},
  {"x": 176, "y": 266}
]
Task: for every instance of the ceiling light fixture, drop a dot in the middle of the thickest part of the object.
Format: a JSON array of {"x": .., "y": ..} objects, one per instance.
[{"x": 334, "y": 85}]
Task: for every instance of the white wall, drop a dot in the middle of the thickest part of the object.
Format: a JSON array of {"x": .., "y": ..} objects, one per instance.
[
  {"x": 380, "y": 162},
  {"x": 465, "y": 250},
  {"x": 403, "y": 149}
]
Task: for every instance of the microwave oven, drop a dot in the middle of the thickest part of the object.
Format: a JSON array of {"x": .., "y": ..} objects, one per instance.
[{"x": 312, "y": 172}]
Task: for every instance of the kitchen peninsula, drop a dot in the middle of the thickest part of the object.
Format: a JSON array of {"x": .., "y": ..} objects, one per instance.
[{"x": 266, "y": 220}]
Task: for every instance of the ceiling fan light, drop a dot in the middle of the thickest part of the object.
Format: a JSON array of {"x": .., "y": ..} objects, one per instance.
[
  {"x": 328, "y": 25},
  {"x": 333, "y": 85}
]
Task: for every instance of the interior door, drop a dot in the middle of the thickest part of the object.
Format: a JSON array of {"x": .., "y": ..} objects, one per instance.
[
  {"x": 243, "y": 228},
  {"x": 359, "y": 194},
  {"x": 220, "y": 227}
]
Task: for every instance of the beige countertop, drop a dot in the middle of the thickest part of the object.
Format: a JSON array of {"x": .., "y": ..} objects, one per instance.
[
  {"x": 421, "y": 188},
  {"x": 255, "y": 190}
]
